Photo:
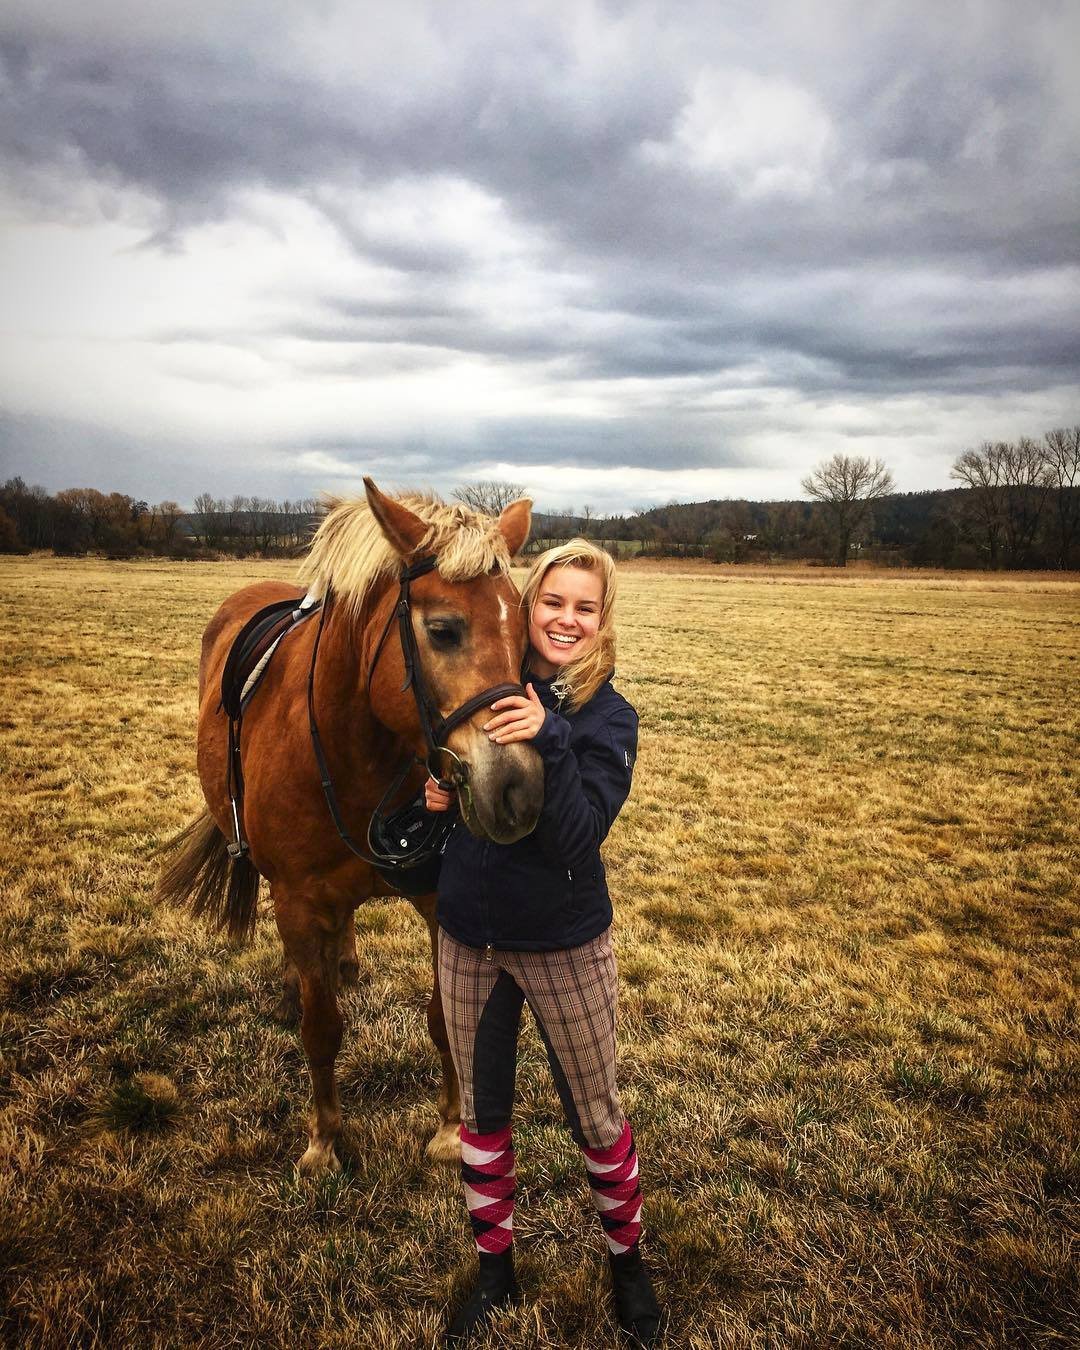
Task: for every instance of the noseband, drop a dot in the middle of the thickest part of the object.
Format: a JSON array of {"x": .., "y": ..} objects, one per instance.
[{"x": 436, "y": 729}]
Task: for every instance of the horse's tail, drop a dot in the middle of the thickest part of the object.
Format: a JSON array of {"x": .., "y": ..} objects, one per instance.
[{"x": 199, "y": 872}]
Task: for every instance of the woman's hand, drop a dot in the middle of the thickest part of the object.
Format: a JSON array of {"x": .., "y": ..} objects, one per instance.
[
  {"x": 437, "y": 798},
  {"x": 521, "y": 719}
]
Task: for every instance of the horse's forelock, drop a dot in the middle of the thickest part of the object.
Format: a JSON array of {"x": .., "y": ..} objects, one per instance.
[{"x": 349, "y": 552}]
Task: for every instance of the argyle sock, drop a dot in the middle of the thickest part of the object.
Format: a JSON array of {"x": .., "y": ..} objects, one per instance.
[
  {"x": 487, "y": 1173},
  {"x": 613, "y": 1180}
]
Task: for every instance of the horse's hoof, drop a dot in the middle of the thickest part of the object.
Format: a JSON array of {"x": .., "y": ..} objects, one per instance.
[
  {"x": 349, "y": 972},
  {"x": 444, "y": 1146},
  {"x": 318, "y": 1160}
]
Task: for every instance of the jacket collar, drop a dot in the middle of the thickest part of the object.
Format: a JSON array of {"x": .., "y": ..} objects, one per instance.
[{"x": 543, "y": 685}]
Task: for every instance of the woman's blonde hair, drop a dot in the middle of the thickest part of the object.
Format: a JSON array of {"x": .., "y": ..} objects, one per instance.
[{"x": 578, "y": 680}]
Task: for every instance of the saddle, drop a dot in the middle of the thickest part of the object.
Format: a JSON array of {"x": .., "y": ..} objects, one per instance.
[
  {"x": 253, "y": 647},
  {"x": 246, "y": 664}
]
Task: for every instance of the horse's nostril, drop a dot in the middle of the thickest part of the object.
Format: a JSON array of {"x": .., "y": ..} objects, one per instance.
[{"x": 515, "y": 801}]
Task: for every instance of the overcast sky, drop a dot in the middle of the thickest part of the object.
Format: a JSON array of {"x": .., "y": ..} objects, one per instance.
[{"x": 619, "y": 253}]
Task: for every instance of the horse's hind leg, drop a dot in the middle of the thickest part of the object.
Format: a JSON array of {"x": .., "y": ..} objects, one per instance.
[
  {"x": 312, "y": 934},
  {"x": 444, "y": 1145}
]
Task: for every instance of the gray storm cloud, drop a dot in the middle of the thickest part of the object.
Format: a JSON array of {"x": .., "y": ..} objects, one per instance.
[{"x": 654, "y": 222}]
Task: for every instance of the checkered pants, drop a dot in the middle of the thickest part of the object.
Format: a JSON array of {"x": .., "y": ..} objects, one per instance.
[{"x": 572, "y": 994}]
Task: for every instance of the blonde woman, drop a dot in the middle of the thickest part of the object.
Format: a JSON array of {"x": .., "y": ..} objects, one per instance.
[{"x": 531, "y": 923}]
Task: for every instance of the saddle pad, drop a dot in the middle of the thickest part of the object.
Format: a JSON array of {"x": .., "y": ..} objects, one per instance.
[{"x": 254, "y": 645}]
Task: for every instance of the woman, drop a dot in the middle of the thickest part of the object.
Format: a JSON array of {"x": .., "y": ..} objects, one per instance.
[{"x": 531, "y": 922}]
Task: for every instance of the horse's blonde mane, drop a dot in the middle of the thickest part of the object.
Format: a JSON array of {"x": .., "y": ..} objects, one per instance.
[{"x": 349, "y": 553}]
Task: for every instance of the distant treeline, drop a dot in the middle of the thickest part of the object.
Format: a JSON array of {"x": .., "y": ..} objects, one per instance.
[
  {"x": 1019, "y": 507},
  {"x": 84, "y": 520},
  {"x": 912, "y": 529}
]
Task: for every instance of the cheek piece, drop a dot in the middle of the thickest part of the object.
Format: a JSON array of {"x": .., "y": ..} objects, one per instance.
[{"x": 401, "y": 842}]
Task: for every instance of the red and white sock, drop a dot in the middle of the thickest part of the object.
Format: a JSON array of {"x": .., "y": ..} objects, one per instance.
[
  {"x": 613, "y": 1180},
  {"x": 487, "y": 1173}
]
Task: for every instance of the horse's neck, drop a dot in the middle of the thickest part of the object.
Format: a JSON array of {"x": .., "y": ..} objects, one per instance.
[{"x": 341, "y": 685}]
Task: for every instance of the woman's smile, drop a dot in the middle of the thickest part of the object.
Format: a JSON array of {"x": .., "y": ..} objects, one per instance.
[{"x": 565, "y": 617}]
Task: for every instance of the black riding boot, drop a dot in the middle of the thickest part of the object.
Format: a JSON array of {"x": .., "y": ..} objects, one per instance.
[
  {"x": 635, "y": 1303},
  {"x": 495, "y": 1287}
]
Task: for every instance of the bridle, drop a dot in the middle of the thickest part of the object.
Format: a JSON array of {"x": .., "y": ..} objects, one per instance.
[{"x": 434, "y": 725}]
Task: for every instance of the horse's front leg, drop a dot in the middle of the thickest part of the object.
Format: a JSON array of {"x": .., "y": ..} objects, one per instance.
[
  {"x": 444, "y": 1146},
  {"x": 312, "y": 933},
  {"x": 348, "y": 963},
  {"x": 287, "y": 1009}
]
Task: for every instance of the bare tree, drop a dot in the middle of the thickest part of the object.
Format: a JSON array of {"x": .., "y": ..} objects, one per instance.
[
  {"x": 785, "y": 527},
  {"x": 491, "y": 496},
  {"x": 1009, "y": 483},
  {"x": 564, "y": 523},
  {"x": 237, "y": 520},
  {"x": 1061, "y": 454},
  {"x": 1027, "y": 486},
  {"x": 847, "y": 486},
  {"x": 205, "y": 519},
  {"x": 983, "y": 471},
  {"x": 262, "y": 522},
  {"x": 645, "y": 529},
  {"x": 168, "y": 513}
]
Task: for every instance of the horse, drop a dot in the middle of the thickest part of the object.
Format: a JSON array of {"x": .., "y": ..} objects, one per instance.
[{"x": 468, "y": 636}]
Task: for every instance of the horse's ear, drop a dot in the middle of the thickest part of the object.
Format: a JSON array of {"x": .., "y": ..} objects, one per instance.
[
  {"x": 402, "y": 527},
  {"x": 514, "y": 524}
]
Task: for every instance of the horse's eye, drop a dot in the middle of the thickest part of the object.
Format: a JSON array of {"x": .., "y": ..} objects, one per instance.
[{"x": 444, "y": 636}]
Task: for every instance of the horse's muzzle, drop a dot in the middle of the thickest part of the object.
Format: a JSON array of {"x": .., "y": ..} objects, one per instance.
[{"x": 507, "y": 790}]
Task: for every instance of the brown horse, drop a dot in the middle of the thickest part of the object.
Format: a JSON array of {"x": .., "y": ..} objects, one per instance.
[{"x": 470, "y": 636}]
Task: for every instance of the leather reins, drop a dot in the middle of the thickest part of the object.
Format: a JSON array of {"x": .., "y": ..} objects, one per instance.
[{"x": 434, "y": 726}]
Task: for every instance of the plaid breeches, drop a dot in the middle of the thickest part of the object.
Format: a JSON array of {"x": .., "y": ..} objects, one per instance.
[{"x": 572, "y": 995}]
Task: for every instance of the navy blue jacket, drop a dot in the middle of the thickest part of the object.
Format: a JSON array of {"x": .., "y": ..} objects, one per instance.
[{"x": 548, "y": 890}]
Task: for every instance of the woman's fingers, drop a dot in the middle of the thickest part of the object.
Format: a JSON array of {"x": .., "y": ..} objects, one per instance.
[
  {"x": 503, "y": 718},
  {"x": 435, "y": 797},
  {"x": 519, "y": 728},
  {"x": 512, "y": 704},
  {"x": 520, "y": 719},
  {"x": 501, "y": 733},
  {"x": 522, "y": 734},
  {"x": 511, "y": 715}
]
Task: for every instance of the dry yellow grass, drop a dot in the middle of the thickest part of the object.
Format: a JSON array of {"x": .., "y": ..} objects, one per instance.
[{"x": 845, "y": 890}]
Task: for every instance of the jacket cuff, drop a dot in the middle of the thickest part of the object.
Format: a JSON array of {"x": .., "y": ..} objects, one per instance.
[{"x": 553, "y": 739}]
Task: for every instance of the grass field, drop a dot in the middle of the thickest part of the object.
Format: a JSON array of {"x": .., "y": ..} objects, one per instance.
[{"x": 846, "y": 898}]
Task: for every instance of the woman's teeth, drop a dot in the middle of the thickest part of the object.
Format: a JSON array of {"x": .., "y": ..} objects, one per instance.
[{"x": 562, "y": 639}]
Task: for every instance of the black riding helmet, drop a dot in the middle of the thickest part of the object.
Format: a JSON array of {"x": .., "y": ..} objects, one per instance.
[{"x": 411, "y": 840}]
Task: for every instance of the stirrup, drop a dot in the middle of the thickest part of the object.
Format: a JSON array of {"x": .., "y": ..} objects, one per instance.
[{"x": 238, "y": 848}]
